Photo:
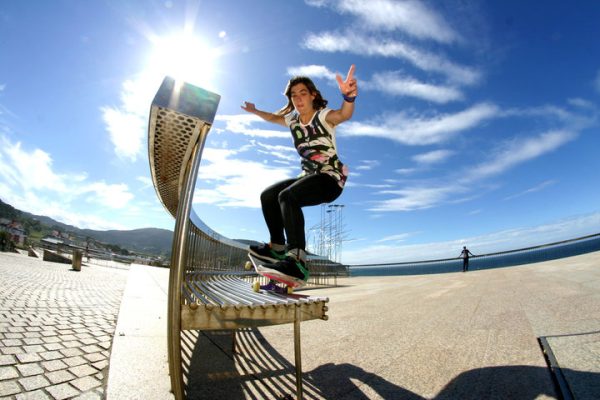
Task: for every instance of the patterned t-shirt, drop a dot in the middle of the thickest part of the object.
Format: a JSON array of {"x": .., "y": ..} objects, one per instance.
[{"x": 315, "y": 142}]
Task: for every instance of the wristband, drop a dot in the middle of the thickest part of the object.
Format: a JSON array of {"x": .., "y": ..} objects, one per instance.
[{"x": 349, "y": 99}]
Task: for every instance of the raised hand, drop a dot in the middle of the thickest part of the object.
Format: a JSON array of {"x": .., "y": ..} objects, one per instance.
[
  {"x": 348, "y": 87},
  {"x": 249, "y": 107}
]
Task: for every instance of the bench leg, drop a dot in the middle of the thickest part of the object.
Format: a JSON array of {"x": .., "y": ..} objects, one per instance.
[
  {"x": 298, "y": 354},
  {"x": 233, "y": 340}
]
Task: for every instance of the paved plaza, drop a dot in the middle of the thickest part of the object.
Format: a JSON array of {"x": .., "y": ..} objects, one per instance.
[
  {"x": 442, "y": 336},
  {"x": 456, "y": 336},
  {"x": 56, "y": 328}
]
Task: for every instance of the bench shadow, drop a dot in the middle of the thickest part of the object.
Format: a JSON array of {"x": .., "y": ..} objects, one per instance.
[{"x": 256, "y": 370}]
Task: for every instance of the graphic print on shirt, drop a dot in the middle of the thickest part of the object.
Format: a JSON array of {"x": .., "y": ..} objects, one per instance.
[{"x": 314, "y": 143}]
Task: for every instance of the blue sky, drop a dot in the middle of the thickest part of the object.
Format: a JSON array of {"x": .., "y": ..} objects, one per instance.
[{"x": 476, "y": 122}]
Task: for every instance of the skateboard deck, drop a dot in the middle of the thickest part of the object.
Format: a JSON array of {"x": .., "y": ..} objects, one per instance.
[{"x": 262, "y": 268}]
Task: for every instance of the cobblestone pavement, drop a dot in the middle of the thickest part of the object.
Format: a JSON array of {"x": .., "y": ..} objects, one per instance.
[{"x": 56, "y": 328}]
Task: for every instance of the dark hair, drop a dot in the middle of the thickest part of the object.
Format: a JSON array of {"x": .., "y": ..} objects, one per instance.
[{"x": 318, "y": 103}]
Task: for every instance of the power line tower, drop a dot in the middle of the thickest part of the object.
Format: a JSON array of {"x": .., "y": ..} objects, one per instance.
[{"x": 328, "y": 235}]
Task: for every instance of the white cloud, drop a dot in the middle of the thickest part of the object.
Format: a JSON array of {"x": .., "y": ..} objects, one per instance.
[
  {"x": 109, "y": 195},
  {"x": 355, "y": 43},
  {"x": 395, "y": 238},
  {"x": 405, "y": 171},
  {"x": 534, "y": 189},
  {"x": 410, "y": 17},
  {"x": 313, "y": 71},
  {"x": 511, "y": 153},
  {"x": 415, "y": 198},
  {"x": 29, "y": 170},
  {"x": 214, "y": 155},
  {"x": 29, "y": 182},
  {"x": 367, "y": 165},
  {"x": 433, "y": 157},
  {"x": 517, "y": 151},
  {"x": 422, "y": 131},
  {"x": 58, "y": 209},
  {"x": 546, "y": 111},
  {"x": 394, "y": 84},
  {"x": 369, "y": 185},
  {"x": 126, "y": 124},
  {"x": 234, "y": 182},
  {"x": 287, "y": 154},
  {"x": 581, "y": 103},
  {"x": 568, "y": 228},
  {"x": 241, "y": 123},
  {"x": 146, "y": 181},
  {"x": 316, "y": 3},
  {"x": 125, "y": 132}
]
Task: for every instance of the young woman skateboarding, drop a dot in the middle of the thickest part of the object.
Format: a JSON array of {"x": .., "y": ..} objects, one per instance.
[{"x": 323, "y": 176}]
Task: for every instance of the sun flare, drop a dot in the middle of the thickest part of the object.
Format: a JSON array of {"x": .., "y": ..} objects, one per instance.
[{"x": 185, "y": 57}]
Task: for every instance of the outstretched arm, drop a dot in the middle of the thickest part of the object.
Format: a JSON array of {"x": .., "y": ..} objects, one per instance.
[
  {"x": 267, "y": 116},
  {"x": 349, "y": 90}
]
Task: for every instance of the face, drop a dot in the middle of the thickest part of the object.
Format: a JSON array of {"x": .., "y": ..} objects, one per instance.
[{"x": 302, "y": 99}]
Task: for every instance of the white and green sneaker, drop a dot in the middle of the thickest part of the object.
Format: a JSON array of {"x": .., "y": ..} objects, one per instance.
[
  {"x": 265, "y": 252},
  {"x": 292, "y": 267}
]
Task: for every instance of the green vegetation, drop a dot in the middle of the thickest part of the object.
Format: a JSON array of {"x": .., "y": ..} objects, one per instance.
[
  {"x": 150, "y": 242},
  {"x": 5, "y": 243}
]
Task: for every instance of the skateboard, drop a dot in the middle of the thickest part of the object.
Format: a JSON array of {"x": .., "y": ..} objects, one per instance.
[{"x": 262, "y": 268}]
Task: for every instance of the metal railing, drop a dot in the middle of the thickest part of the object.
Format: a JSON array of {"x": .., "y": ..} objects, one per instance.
[{"x": 546, "y": 252}]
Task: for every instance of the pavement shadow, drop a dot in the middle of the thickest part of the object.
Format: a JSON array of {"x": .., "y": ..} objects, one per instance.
[{"x": 256, "y": 370}]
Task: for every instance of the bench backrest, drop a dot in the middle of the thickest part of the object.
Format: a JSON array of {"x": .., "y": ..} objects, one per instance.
[{"x": 202, "y": 260}]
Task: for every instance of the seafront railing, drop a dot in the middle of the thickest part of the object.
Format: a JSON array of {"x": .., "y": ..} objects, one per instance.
[{"x": 527, "y": 255}]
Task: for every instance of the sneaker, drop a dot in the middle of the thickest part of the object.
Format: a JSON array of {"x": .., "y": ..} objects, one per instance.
[
  {"x": 292, "y": 267},
  {"x": 264, "y": 252}
]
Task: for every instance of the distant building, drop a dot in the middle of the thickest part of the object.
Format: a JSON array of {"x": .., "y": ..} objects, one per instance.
[
  {"x": 60, "y": 235},
  {"x": 14, "y": 229}
]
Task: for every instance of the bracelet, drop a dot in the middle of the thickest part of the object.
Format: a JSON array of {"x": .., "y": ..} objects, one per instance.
[{"x": 349, "y": 99}]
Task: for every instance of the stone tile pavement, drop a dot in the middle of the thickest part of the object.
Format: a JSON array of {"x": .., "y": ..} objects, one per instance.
[{"x": 56, "y": 328}]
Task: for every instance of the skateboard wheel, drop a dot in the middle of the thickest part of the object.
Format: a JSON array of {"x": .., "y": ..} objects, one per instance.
[
  {"x": 256, "y": 286},
  {"x": 248, "y": 266},
  {"x": 290, "y": 290}
]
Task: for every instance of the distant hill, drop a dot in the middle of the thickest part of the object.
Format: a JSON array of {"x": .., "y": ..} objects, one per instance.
[
  {"x": 150, "y": 241},
  {"x": 153, "y": 241},
  {"x": 248, "y": 242}
]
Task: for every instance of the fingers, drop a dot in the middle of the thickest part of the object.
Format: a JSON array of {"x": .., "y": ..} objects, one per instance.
[
  {"x": 350, "y": 75},
  {"x": 247, "y": 106}
]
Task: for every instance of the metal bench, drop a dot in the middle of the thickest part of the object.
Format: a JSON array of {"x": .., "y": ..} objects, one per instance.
[{"x": 208, "y": 286}]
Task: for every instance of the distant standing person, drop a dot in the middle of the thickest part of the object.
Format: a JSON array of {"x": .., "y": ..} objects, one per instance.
[
  {"x": 312, "y": 125},
  {"x": 465, "y": 256}
]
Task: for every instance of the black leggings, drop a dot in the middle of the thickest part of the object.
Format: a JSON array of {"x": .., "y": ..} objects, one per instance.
[{"x": 282, "y": 206}]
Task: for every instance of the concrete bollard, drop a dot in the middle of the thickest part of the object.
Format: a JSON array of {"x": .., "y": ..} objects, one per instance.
[
  {"x": 77, "y": 256},
  {"x": 32, "y": 253}
]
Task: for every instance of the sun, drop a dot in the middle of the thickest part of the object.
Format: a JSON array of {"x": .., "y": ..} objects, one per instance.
[{"x": 184, "y": 56}]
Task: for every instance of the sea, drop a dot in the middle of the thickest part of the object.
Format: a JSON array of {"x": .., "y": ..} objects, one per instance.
[{"x": 511, "y": 258}]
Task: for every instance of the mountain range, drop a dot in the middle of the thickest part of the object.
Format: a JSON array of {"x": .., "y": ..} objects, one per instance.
[{"x": 148, "y": 241}]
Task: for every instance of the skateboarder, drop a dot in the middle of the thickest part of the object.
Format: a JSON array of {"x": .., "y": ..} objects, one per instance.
[
  {"x": 465, "y": 256},
  {"x": 312, "y": 125}
]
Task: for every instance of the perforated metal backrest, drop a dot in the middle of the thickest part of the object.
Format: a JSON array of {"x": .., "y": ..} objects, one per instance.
[{"x": 178, "y": 114}]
